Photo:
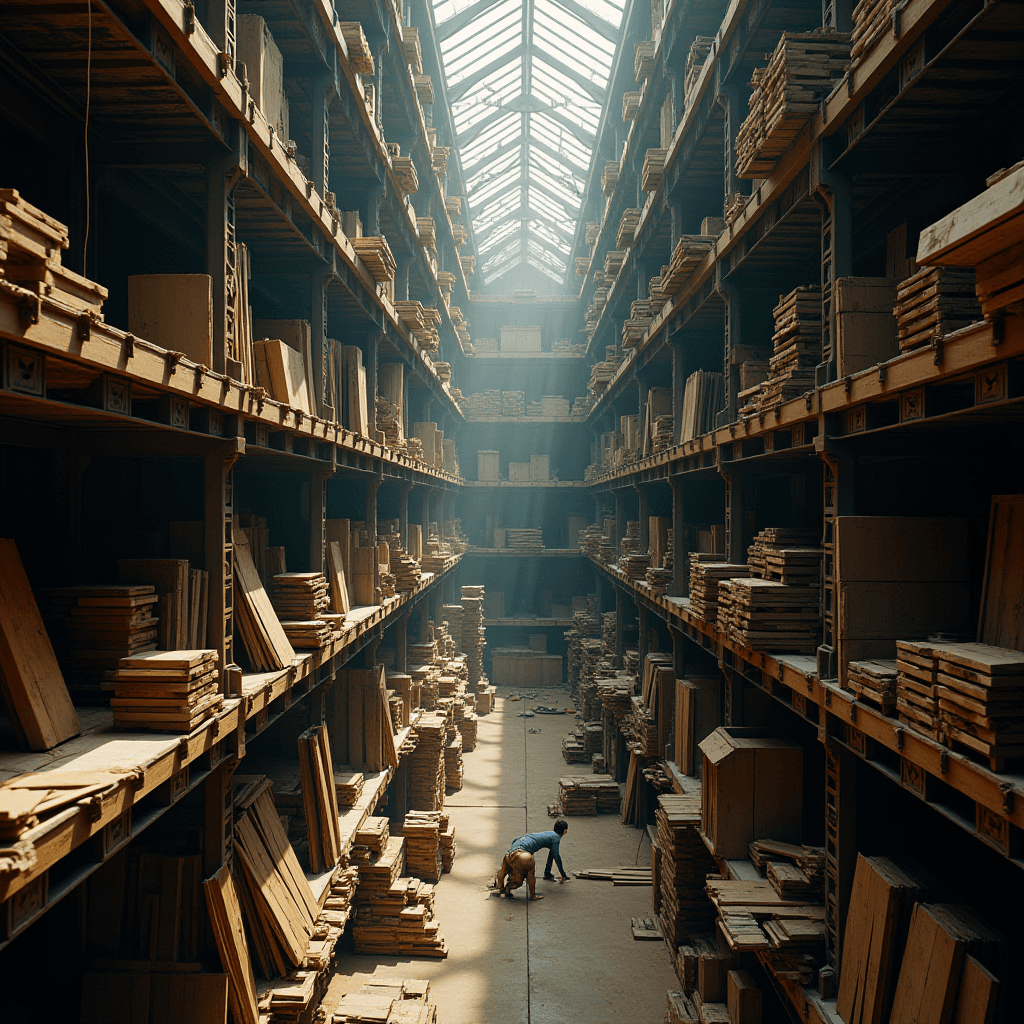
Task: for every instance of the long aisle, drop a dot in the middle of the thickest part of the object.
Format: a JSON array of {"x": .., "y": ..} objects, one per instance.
[{"x": 570, "y": 956}]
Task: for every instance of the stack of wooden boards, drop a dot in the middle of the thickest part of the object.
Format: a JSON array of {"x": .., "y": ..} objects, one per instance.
[
  {"x": 454, "y": 766},
  {"x": 265, "y": 642},
  {"x": 627, "y": 226},
  {"x": 588, "y": 794},
  {"x": 796, "y": 352},
  {"x": 754, "y": 915},
  {"x": 386, "y": 1000},
  {"x": 934, "y": 302},
  {"x": 695, "y": 60},
  {"x": 525, "y": 539},
  {"x": 320, "y": 799},
  {"x": 170, "y": 691},
  {"x": 707, "y": 571},
  {"x": 688, "y": 254},
  {"x": 426, "y": 763},
  {"x": 910, "y": 955},
  {"x": 621, "y": 874},
  {"x": 429, "y": 844},
  {"x": 872, "y": 22},
  {"x": 300, "y": 600},
  {"x": 787, "y": 555},
  {"x": 283, "y": 358},
  {"x": 683, "y": 863},
  {"x": 874, "y": 680},
  {"x": 785, "y": 95},
  {"x": 964, "y": 694},
  {"x": 359, "y": 720},
  {"x": 714, "y": 993},
  {"x": 766, "y": 615},
  {"x": 396, "y": 918},
  {"x": 376, "y": 256},
  {"x": 348, "y": 785},
  {"x": 654, "y": 165}
]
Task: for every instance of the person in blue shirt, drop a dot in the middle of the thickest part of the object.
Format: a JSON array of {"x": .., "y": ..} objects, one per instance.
[{"x": 519, "y": 863}]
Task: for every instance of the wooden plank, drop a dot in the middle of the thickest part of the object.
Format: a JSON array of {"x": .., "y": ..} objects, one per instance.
[
  {"x": 1002, "y": 611},
  {"x": 976, "y": 997},
  {"x": 336, "y": 578},
  {"x": 33, "y": 687},
  {"x": 287, "y": 373},
  {"x": 229, "y": 933},
  {"x": 174, "y": 311},
  {"x": 930, "y": 972},
  {"x": 189, "y": 998},
  {"x": 262, "y": 628}
]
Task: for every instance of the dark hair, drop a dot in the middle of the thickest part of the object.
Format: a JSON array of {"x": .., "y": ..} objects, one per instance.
[{"x": 561, "y": 826}]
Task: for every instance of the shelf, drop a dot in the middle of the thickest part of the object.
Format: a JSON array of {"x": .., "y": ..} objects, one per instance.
[
  {"x": 792, "y": 680},
  {"x": 545, "y": 484},
  {"x": 495, "y": 356},
  {"x": 528, "y": 622},
  {"x": 539, "y": 420},
  {"x": 508, "y": 553}
]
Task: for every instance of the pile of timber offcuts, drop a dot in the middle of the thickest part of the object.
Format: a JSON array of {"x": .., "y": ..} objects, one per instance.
[
  {"x": 705, "y": 583},
  {"x": 911, "y": 955},
  {"x": 385, "y": 1000},
  {"x": 623, "y": 874},
  {"x": 796, "y": 352},
  {"x": 396, "y": 919},
  {"x": 768, "y": 616},
  {"x": 93, "y": 628},
  {"x": 971, "y": 696},
  {"x": 874, "y": 681},
  {"x": 934, "y": 302},
  {"x": 808, "y": 860},
  {"x": 791, "y": 556},
  {"x": 683, "y": 863},
  {"x": 171, "y": 691},
  {"x": 786, "y": 94},
  {"x": 588, "y": 794},
  {"x": 753, "y": 915}
]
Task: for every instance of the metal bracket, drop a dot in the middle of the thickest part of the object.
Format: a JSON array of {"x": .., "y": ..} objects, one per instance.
[
  {"x": 943, "y": 762},
  {"x": 224, "y": 63},
  {"x": 1006, "y": 789},
  {"x": 173, "y": 358},
  {"x": 190, "y": 17},
  {"x": 129, "y": 347},
  {"x": 883, "y": 372},
  {"x": 937, "y": 349},
  {"x": 898, "y": 733},
  {"x": 83, "y": 326},
  {"x": 29, "y": 309}
]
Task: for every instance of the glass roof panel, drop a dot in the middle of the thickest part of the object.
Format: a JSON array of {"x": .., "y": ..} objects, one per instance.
[{"x": 527, "y": 81}]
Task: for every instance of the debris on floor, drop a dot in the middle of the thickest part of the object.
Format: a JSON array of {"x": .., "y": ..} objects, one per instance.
[
  {"x": 645, "y": 928},
  {"x": 621, "y": 875}
]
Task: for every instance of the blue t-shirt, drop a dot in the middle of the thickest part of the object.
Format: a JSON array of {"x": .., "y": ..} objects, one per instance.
[{"x": 539, "y": 841}]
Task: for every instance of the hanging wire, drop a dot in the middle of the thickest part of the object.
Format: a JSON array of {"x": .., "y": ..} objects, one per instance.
[{"x": 88, "y": 104}]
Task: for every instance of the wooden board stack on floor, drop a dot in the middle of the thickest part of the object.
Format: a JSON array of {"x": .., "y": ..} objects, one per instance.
[
  {"x": 386, "y": 1000},
  {"x": 426, "y": 763},
  {"x": 765, "y": 615},
  {"x": 95, "y": 627},
  {"x": 934, "y": 302},
  {"x": 588, "y": 794},
  {"x": 454, "y": 766},
  {"x": 428, "y": 835},
  {"x": 320, "y": 799},
  {"x": 169, "y": 691},
  {"x": 683, "y": 862}
]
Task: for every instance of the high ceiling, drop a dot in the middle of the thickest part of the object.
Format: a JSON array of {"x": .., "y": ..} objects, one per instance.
[{"x": 526, "y": 81}]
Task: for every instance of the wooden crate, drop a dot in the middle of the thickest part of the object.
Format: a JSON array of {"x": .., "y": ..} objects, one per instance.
[
  {"x": 865, "y": 324},
  {"x": 752, "y": 789}
]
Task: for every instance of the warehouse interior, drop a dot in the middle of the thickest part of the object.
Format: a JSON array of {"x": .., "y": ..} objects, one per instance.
[{"x": 423, "y": 421}]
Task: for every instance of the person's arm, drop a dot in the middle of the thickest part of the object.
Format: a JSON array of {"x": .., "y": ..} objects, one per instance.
[{"x": 553, "y": 855}]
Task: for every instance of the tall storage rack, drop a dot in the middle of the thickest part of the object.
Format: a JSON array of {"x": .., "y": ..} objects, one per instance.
[
  {"x": 909, "y": 132},
  {"x": 138, "y": 126}
]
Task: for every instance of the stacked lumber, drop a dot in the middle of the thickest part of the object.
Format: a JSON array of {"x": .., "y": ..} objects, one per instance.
[
  {"x": 170, "y": 691},
  {"x": 386, "y": 1000},
  {"x": 427, "y": 231},
  {"x": 588, "y": 794},
  {"x": 791, "y": 883},
  {"x": 300, "y": 600},
  {"x": 264, "y": 640},
  {"x": 654, "y": 166},
  {"x": 30, "y": 256},
  {"x": 621, "y": 874},
  {"x": 630, "y": 108},
  {"x": 405, "y": 174},
  {"x": 705, "y": 580},
  {"x": 276, "y": 899},
  {"x": 525, "y": 539},
  {"x": 917, "y": 695},
  {"x": 424, "y": 89},
  {"x": 752, "y": 915},
  {"x": 360, "y": 56},
  {"x": 643, "y": 63},
  {"x": 703, "y": 396},
  {"x": 872, "y": 22},
  {"x": 423, "y": 831},
  {"x": 468, "y": 264},
  {"x": 788, "y": 555},
  {"x": 695, "y": 61},
  {"x": 397, "y": 920},
  {"x": 95, "y": 627},
  {"x": 683, "y": 863},
  {"x": 681, "y": 1009},
  {"x": 809, "y": 860},
  {"x": 409, "y": 44},
  {"x": 513, "y": 403},
  {"x": 582, "y": 266},
  {"x": 454, "y": 767},
  {"x": 627, "y": 228},
  {"x": 874, "y": 681},
  {"x": 609, "y": 179},
  {"x": 182, "y": 593},
  {"x": 613, "y": 261},
  {"x": 320, "y": 799},
  {"x": 659, "y": 579},
  {"x": 349, "y": 786},
  {"x": 376, "y": 256},
  {"x": 797, "y": 350},
  {"x": 688, "y": 254},
  {"x": 427, "y": 763},
  {"x": 934, "y": 302},
  {"x": 468, "y": 724},
  {"x": 803, "y": 70},
  {"x": 765, "y": 615},
  {"x": 439, "y": 160}
]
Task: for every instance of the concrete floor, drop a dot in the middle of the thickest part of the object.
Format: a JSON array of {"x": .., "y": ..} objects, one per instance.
[{"x": 568, "y": 957}]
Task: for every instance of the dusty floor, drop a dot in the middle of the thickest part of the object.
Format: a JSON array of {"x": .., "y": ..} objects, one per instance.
[{"x": 568, "y": 957}]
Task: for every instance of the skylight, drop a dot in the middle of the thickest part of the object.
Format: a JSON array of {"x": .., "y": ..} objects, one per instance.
[{"x": 526, "y": 80}]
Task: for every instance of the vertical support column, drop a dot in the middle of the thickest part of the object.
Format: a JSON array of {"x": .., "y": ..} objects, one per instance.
[
  {"x": 733, "y": 339},
  {"x": 317, "y": 519},
  {"x": 620, "y": 626},
  {"x": 620, "y": 521},
  {"x": 840, "y": 842},
  {"x": 680, "y": 570},
  {"x": 678, "y": 389},
  {"x": 735, "y": 107},
  {"x": 643, "y": 509},
  {"x": 371, "y": 524},
  {"x": 834, "y": 193},
  {"x": 402, "y": 642},
  {"x": 220, "y": 23},
  {"x": 643, "y": 621},
  {"x": 218, "y": 818},
  {"x": 839, "y": 470},
  {"x": 403, "y": 514},
  {"x": 372, "y": 349},
  {"x": 402, "y": 278},
  {"x": 217, "y": 552},
  {"x": 320, "y": 131},
  {"x": 319, "y": 284},
  {"x": 221, "y": 254},
  {"x": 735, "y": 548}
]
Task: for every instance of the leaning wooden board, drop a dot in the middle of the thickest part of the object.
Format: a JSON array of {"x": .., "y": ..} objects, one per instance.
[
  {"x": 33, "y": 686},
  {"x": 930, "y": 972},
  {"x": 229, "y": 932},
  {"x": 1002, "y": 610}
]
